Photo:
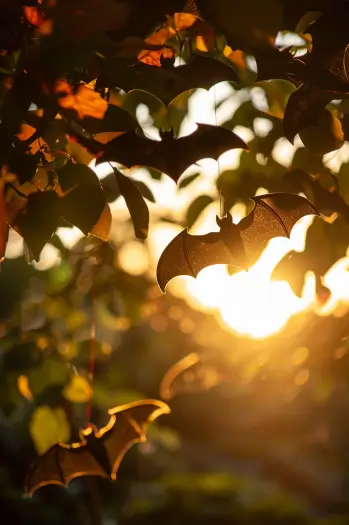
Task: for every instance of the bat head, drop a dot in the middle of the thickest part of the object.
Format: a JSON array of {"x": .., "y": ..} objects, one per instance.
[
  {"x": 88, "y": 433},
  {"x": 167, "y": 62},
  {"x": 226, "y": 221},
  {"x": 167, "y": 135}
]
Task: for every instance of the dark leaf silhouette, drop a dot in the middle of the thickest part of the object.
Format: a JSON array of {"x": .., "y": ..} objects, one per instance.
[
  {"x": 38, "y": 221},
  {"x": 331, "y": 237},
  {"x": 83, "y": 201},
  {"x": 274, "y": 215},
  {"x": 303, "y": 109},
  {"x": 196, "y": 208},
  {"x": 24, "y": 165},
  {"x": 323, "y": 191},
  {"x": 170, "y": 155},
  {"x": 145, "y": 190},
  {"x": 188, "y": 180},
  {"x": 136, "y": 204}
]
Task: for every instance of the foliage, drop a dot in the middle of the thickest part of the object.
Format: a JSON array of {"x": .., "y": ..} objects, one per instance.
[{"x": 75, "y": 78}]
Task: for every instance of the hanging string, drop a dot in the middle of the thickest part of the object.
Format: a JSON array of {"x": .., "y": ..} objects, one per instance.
[
  {"x": 221, "y": 198},
  {"x": 91, "y": 366}
]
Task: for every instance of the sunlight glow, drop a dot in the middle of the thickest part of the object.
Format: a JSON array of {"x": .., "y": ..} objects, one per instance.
[{"x": 249, "y": 303}]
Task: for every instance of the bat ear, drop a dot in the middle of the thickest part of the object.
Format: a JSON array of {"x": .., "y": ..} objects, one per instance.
[
  {"x": 167, "y": 135},
  {"x": 85, "y": 432},
  {"x": 227, "y": 219}
]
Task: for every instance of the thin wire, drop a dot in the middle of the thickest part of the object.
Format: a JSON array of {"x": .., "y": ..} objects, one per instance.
[{"x": 221, "y": 199}]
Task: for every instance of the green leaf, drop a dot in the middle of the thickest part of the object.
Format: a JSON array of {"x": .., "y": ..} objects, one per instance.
[
  {"x": 136, "y": 204},
  {"x": 51, "y": 372},
  {"x": 196, "y": 208},
  {"x": 84, "y": 201},
  {"x": 47, "y": 427}
]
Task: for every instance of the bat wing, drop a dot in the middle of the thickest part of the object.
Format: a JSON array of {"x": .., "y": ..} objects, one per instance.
[
  {"x": 203, "y": 72},
  {"x": 189, "y": 254},
  {"x": 206, "y": 142},
  {"x": 128, "y": 425},
  {"x": 274, "y": 215},
  {"x": 129, "y": 149},
  {"x": 60, "y": 464}
]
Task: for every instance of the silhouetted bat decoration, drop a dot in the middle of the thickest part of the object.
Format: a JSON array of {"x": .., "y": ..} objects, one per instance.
[
  {"x": 241, "y": 245},
  {"x": 170, "y": 155},
  {"x": 99, "y": 453},
  {"x": 193, "y": 373},
  {"x": 166, "y": 82}
]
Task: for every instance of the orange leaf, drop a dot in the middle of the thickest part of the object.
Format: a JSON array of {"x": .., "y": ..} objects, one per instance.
[
  {"x": 102, "y": 227},
  {"x": 33, "y": 15},
  {"x": 85, "y": 102}
]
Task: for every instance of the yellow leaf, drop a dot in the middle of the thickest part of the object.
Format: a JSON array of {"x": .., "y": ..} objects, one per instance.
[
  {"x": 183, "y": 20},
  {"x": 102, "y": 228},
  {"x": 78, "y": 390},
  {"x": 47, "y": 427}
]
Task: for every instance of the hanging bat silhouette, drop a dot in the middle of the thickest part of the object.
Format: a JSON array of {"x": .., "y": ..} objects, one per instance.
[
  {"x": 241, "y": 245},
  {"x": 170, "y": 155},
  {"x": 99, "y": 453},
  {"x": 166, "y": 82},
  {"x": 193, "y": 373}
]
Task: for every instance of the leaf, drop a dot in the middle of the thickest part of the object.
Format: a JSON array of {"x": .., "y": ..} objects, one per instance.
[
  {"x": 51, "y": 372},
  {"x": 24, "y": 165},
  {"x": 33, "y": 15},
  {"x": 179, "y": 22},
  {"x": 188, "y": 180},
  {"x": 47, "y": 427},
  {"x": 103, "y": 226},
  {"x": 78, "y": 390},
  {"x": 137, "y": 207},
  {"x": 84, "y": 200},
  {"x": 303, "y": 109},
  {"x": 244, "y": 23},
  {"x": 85, "y": 102},
  {"x": 79, "y": 19},
  {"x": 38, "y": 221},
  {"x": 144, "y": 189},
  {"x": 324, "y": 137},
  {"x": 196, "y": 208}
]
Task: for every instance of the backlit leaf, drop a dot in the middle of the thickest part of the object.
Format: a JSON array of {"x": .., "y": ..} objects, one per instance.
[
  {"x": 78, "y": 390},
  {"x": 196, "y": 208},
  {"x": 136, "y": 204},
  {"x": 47, "y": 427}
]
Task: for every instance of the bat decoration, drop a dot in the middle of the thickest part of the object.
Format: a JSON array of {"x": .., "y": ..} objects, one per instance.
[
  {"x": 166, "y": 82},
  {"x": 170, "y": 155},
  {"x": 100, "y": 452},
  {"x": 241, "y": 245},
  {"x": 193, "y": 373}
]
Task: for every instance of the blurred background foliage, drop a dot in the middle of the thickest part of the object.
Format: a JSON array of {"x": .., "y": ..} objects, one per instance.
[{"x": 258, "y": 432}]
